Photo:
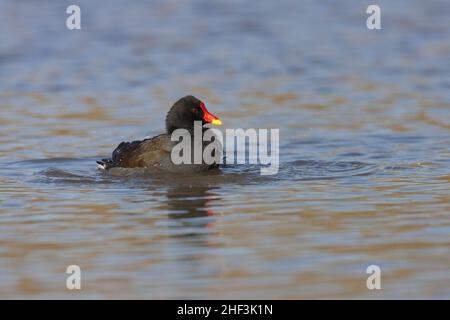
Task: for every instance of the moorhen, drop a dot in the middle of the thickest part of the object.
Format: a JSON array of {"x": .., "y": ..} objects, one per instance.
[{"x": 156, "y": 151}]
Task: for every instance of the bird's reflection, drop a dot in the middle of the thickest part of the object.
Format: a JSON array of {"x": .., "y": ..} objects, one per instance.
[
  {"x": 190, "y": 205},
  {"x": 194, "y": 227}
]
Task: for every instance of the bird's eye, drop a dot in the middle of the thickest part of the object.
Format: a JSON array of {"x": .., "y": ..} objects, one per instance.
[{"x": 195, "y": 110}]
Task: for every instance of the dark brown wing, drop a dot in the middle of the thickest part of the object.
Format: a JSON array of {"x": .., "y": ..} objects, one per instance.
[{"x": 141, "y": 153}]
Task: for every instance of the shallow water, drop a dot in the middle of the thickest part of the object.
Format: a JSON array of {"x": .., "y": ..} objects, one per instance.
[{"x": 364, "y": 179}]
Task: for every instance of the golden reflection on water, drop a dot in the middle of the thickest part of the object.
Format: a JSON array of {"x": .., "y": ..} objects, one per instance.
[{"x": 122, "y": 251}]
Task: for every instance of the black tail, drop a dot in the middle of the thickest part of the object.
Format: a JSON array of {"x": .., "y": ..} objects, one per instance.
[
  {"x": 105, "y": 164},
  {"x": 118, "y": 155}
]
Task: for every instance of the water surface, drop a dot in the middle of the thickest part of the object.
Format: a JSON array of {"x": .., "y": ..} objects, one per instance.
[{"x": 364, "y": 119}]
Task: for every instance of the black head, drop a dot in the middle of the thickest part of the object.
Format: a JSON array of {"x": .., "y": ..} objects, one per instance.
[{"x": 187, "y": 110}]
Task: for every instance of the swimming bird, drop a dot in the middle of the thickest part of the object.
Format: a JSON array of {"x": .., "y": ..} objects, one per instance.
[{"x": 156, "y": 151}]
